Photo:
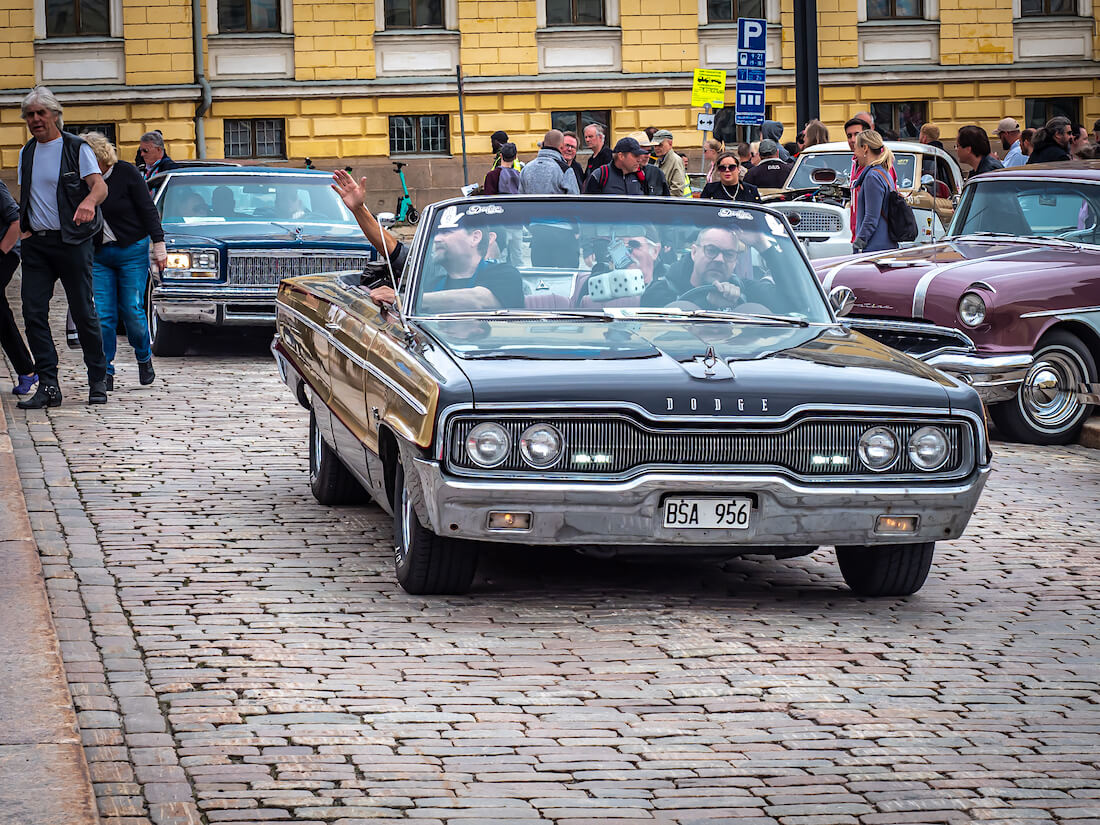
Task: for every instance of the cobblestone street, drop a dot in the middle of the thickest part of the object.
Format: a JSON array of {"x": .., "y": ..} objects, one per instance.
[{"x": 238, "y": 653}]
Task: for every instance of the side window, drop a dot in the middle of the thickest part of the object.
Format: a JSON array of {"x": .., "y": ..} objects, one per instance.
[{"x": 944, "y": 176}]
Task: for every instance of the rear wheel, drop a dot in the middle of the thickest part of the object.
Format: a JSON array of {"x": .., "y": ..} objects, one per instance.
[
  {"x": 329, "y": 480},
  {"x": 412, "y": 216},
  {"x": 426, "y": 563},
  {"x": 1045, "y": 409},
  {"x": 886, "y": 569}
]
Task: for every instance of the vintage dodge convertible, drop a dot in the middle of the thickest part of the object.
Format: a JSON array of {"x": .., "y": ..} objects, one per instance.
[{"x": 618, "y": 375}]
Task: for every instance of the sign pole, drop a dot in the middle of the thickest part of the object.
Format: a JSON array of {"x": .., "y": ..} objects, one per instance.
[
  {"x": 806, "y": 95},
  {"x": 703, "y": 162}
]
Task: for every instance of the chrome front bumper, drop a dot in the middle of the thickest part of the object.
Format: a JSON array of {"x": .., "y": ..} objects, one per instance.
[
  {"x": 996, "y": 378},
  {"x": 629, "y": 513},
  {"x": 217, "y": 304}
]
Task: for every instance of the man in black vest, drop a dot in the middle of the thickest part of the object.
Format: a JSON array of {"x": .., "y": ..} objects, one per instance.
[{"x": 61, "y": 188}]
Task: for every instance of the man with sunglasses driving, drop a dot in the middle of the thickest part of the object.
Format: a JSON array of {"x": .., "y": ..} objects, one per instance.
[{"x": 706, "y": 276}]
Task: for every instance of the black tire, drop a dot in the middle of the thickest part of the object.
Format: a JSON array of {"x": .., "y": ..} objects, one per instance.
[
  {"x": 426, "y": 563},
  {"x": 168, "y": 340},
  {"x": 1043, "y": 411},
  {"x": 329, "y": 479},
  {"x": 886, "y": 569},
  {"x": 412, "y": 216}
]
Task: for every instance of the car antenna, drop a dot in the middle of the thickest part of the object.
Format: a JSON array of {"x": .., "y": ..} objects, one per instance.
[{"x": 393, "y": 280}]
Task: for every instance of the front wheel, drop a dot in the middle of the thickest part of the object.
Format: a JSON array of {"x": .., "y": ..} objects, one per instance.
[
  {"x": 426, "y": 563},
  {"x": 329, "y": 480},
  {"x": 412, "y": 216},
  {"x": 886, "y": 569},
  {"x": 166, "y": 340},
  {"x": 1045, "y": 409}
]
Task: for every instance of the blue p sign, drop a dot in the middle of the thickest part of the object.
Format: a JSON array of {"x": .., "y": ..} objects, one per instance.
[{"x": 752, "y": 34}]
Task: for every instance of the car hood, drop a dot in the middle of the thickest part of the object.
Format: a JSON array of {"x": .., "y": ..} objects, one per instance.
[
  {"x": 926, "y": 282},
  {"x": 688, "y": 367},
  {"x": 263, "y": 234}
]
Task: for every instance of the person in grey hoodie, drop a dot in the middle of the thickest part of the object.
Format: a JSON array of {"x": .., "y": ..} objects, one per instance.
[
  {"x": 548, "y": 173},
  {"x": 773, "y": 130}
]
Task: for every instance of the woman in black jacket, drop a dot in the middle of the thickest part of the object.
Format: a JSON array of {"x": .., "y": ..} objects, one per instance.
[
  {"x": 728, "y": 186},
  {"x": 121, "y": 266}
]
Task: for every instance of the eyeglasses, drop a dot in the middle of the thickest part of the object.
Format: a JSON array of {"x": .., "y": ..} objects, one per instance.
[
  {"x": 728, "y": 167},
  {"x": 712, "y": 251},
  {"x": 634, "y": 243}
]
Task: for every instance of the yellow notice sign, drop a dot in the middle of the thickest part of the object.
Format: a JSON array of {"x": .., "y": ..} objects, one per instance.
[{"x": 709, "y": 86}]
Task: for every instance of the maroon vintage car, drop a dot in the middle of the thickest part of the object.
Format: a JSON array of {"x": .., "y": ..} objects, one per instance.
[{"x": 1009, "y": 301}]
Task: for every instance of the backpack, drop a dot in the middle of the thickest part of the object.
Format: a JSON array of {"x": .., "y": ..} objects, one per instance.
[
  {"x": 508, "y": 182},
  {"x": 901, "y": 223}
]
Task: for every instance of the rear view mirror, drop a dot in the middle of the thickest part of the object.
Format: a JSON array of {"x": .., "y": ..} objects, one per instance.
[
  {"x": 387, "y": 219},
  {"x": 823, "y": 176}
]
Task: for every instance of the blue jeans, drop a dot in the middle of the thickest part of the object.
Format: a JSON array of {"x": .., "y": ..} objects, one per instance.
[{"x": 119, "y": 275}]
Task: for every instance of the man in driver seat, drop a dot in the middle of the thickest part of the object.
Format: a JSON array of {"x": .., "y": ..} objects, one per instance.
[{"x": 712, "y": 262}]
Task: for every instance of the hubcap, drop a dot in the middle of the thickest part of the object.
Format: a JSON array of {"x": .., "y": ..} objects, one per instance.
[
  {"x": 1046, "y": 396},
  {"x": 407, "y": 515}
]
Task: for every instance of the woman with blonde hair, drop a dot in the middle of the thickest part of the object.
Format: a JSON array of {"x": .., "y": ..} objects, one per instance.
[
  {"x": 869, "y": 190},
  {"x": 816, "y": 132},
  {"x": 121, "y": 265},
  {"x": 711, "y": 150}
]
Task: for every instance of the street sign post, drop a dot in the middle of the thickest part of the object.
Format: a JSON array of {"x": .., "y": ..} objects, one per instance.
[{"x": 752, "y": 56}]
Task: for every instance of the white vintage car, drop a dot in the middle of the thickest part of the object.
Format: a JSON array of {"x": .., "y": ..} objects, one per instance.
[{"x": 929, "y": 178}]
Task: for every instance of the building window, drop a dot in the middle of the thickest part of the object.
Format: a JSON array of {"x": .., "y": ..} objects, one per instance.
[
  {"x": 248, "y": 15},
  {"x": 420, "y": 134},
  {"x": 105, "y": 129},
  {"x": 257, "y": 138},
  {"x": 1042, "y": 8},
  {"x": 895, "y": 9},
  {"x": 414, "y": 14},
  {"x": 902, "y": 119},
  {"x": 574, "y": 13},
  {"x": 577, "y": 121},
  {"x": 1038, "y": 110},
  {"x": 70, "y": 18},
  {"x": 727, "y": 11}
]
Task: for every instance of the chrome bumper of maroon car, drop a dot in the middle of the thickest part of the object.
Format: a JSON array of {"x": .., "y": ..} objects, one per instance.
[{"x": 996, "y": 378}]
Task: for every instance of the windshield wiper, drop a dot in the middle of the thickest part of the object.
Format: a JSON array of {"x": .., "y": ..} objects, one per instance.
[
  {"x": 598, "y": 315},
  {"x": 717, "y": 315},
  {"x": 1018, "y": 238}
]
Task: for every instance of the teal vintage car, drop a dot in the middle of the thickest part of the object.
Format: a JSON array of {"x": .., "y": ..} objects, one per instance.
[{"x": 233, "y": 233}]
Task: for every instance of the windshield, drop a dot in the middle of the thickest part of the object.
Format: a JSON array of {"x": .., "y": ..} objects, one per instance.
[
  {"x": 1045, "y": 208},
  {"x": 841, "y": 163},
  {"x": 591, "y": 254},
  {"x": 198, "y": 199}
]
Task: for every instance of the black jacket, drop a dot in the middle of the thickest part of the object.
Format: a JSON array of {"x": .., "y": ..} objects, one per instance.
[
  {"x": 596, "y": 160},
  {"x": 770, "y": 173},
  {"x": 609, "y": 180},
  {"x": 71, "y": 191},
  {"x": 129, "y": 209},
  {"x": 744, "y": 192},
  {"x": 162, "y": 165},
  {"x": 1048, "y": 153}
]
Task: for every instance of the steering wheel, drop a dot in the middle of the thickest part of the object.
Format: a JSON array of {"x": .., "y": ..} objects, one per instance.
[{"x": 701, "y": 295}]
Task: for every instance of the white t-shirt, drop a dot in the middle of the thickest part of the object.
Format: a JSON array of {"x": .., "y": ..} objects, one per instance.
[{"x": 46, "y": 171}]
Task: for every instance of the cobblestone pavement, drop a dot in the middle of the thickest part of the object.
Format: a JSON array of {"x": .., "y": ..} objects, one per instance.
[{"x": 240, "y": 654}]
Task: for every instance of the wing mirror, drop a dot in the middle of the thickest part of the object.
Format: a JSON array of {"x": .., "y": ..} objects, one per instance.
[
  {"x": 387, "y": 219},
  {"x": 842, "y": 299},
  {"x": 823, "y": 176}
]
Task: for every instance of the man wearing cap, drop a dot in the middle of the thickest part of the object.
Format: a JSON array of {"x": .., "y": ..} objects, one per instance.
[
  {"x": 655, "y": 181},
  {"x": 623, "y": 175},
  {"x": 672, "y": 165},
  {"x": 1008, "y": 130},
  {"x": 771, "y": 172}
]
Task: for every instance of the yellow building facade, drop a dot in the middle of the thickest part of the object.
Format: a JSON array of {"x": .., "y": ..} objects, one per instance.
[{"x": 357, "y": 83}]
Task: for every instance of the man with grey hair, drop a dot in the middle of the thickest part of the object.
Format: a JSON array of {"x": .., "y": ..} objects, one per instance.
[
  {"x": 548, "y": 173},
  {"x": 595, "y": 138},
  {"x": 154, "y": 154},
  {"x": 61, "y": 187}
]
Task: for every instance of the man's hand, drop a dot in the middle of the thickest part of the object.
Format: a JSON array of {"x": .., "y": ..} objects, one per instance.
[
  {"x": 384, "y": 296},
  {"x": 85, "y": 213},
  {"x": 351, "y": 193},
  {"x": 726, "y": 293}
]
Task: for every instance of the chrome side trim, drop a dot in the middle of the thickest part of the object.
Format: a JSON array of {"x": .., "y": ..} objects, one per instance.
[
  {"x": 921, "y": 290},
  {"x": 1052, "y": 312}
]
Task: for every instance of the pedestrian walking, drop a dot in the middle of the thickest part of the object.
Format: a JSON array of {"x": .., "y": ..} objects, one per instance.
[
  {"x": 503, "y": 179},
  {"x": 10, "y": 337},
  {"x": 869, "y": 193},
  {"x": 61, "y": 188},
  {"x": 1008, "y": 130},
  {"x": 672, "y": 165},
  {"x": 595, "y": 138},
  {"x": 548, "y": 173},
  {"x": 1051, "y": 142},
  {"x": 120, "y": 269},
  {"x": 623, "y": 175},
  {"x": 729, "y": 186},
  {"x": 972, "y": 147}
]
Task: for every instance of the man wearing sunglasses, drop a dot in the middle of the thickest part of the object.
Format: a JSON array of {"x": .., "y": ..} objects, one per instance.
[{"x": 706, "y": 276}]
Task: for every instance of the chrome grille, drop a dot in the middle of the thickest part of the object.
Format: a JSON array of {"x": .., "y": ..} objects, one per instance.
[
  {"x": 913, "y": 338},
  {"x": 252, "y": 268},
  {"x": 814, "y": 222},
  {"x": 816, "y": 448}
]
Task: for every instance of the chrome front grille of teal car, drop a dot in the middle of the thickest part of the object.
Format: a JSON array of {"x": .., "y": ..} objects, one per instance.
[
  {"x": 619, "y": 446},
  {"x": 264, "y": 268}
]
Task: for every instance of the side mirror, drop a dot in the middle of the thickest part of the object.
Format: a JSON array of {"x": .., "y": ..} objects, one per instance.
[
  {"x": 793, "y": 218},
  {"x": 387, "y": 219},
  {"x": 842, "y": 299},
  {"x": 823, "y": 176}
]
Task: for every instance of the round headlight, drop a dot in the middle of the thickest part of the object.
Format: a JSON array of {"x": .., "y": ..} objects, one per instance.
[
  {"x": 928, "y": 448},
  {"x": 878, "y": 448},
  {"x": 972, "y": 309},
  {"x": 540, "y": 445},
  {"x": 487, "y": 444}
]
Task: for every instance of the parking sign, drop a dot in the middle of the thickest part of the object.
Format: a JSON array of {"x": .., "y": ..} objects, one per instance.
[{"x": 752, "y": 49}]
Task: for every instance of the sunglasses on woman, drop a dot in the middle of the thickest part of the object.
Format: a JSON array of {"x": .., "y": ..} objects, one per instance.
[{"x": 728, "y": 167}]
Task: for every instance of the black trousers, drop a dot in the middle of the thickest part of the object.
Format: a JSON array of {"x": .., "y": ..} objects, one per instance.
[
  {"x": 46, "y": 258},
  {"x": 11, "y": 339}
]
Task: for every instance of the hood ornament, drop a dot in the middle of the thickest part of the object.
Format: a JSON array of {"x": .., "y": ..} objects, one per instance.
[{"x": 708, "y": 366}]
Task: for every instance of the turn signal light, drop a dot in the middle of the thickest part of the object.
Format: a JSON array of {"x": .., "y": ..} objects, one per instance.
[
  {"x": 509, "y": 521},
  {"x": 897, "y": 524}
]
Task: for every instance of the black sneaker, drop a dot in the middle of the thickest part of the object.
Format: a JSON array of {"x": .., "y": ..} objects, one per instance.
[
  {"x": 146, "y": 373},
  {"x": 72, "y": 339},
  {"x": 47, "y": 396},
  {"x": 97, "y": 392},
  {"x": 110, "y": 381}
]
